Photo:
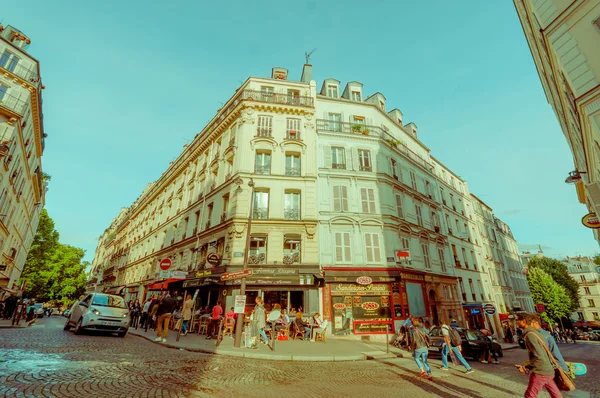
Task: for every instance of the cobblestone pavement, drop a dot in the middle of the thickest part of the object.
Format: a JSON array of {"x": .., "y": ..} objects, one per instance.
[{"x": 45, "y": 361}]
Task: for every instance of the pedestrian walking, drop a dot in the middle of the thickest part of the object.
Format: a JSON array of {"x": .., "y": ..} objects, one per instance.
[
  {"x": 550, "y": 342},
  {"x": 164, "y": 313},
  {"x": 9, "y": 305},
  {"x": 420, "y": 345},
  {"x": 145, "y": 309},
  {"x": 539, "y": 367},
  {"x": 186, "y": 313},
  {"x": 260, "y": 318},
  {"x": 153, "y": 310},
  {"x": 508, "y": 336},
  {"x": 453, "y": 341},
  {"x": 215, "y": 318}
]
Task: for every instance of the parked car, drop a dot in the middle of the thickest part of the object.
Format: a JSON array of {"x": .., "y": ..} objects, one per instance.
[
  {"x": 99, "y": 312},
  {"x": 39, "y": 310},
  {"x": 474, "y": 343},
  {"x": 66, "y": 312}
]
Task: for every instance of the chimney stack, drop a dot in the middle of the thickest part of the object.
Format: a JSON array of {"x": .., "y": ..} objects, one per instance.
[{"x": 306, "y": 73}]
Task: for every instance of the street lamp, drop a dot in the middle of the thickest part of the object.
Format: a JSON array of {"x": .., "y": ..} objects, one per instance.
[{"x": 240, "y": 321}]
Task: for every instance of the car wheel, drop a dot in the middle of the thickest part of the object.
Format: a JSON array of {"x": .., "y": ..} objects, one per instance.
[
  {"x": 78, "y": 328},
  {"x": 67, "y": 325},
  {"x": 122, "y": 334}
]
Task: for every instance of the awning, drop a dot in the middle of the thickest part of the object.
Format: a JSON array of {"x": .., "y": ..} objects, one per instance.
[
  {"x": 352, "y": 276},
  {"x": 164, "y": 284},
  {"x": 115, "y": 290}
]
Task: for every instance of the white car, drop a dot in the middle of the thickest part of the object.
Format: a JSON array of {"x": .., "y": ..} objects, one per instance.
[{"x": 100, "y": 312}]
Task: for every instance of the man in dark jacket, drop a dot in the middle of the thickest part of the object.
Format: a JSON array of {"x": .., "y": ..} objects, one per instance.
[
  {"x": 164, "y": 312},
  {"x": 539, "y": 367}
]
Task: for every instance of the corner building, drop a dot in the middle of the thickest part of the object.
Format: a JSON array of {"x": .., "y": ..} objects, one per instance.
[
  {"x": 342, "y": 191},
  {"x": 22, "y": 141}
]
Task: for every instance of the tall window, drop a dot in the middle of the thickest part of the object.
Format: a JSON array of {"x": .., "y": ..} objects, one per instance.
[
  {"x": 356, "y": 96},
  {"x": 587, "y": 290},
  {"x": 265, "y": 126},
  {"x": 413, "y": 180},
  {"x": 367, "y": 196},
  {"x": 262, "y": 163},
  {"x": 3, "y": 90},
  {"x": 258, "y": 250},
  {"x": 394, "y": 168},
  {"x": 419, "y": 214},
  {"x": 260, "y": 209},
  {"x": 291, "y": 249},
  {"x": 342, "y": 247},
  {"x": 428, "y": 189},
  {"x": 591, "y": 302},
  {"x": 293, "y": 129},
  {"x": 425, "y": 250},
  {"x": 472, "y": 288},
  {"x": 208, "y": 219},
  {"x": 338, "y": 158},
  {"x": 292, "y": 164},
  {"x": 399, "y": 207},
  {"x": 364, "y": 158},
  {"x": 372, "y": 248},
  {"x": 335, "y": 121},
  {"x": 480, "y": 287},
  {"x": 440, "y": 251},
  {"x": 332, "y": 91},
  {"x": 405, "y": 243},
  {"x": 340, "y": 198},
  {"x": 8, "y": 61},
  {"x": 464, "y": 256},
  {"x": 582, "y": 277},
  {"x": 291, "y": 210}
]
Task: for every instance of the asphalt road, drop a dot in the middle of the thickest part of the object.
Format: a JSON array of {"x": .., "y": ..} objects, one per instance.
[{"x": 45, "y": 361}]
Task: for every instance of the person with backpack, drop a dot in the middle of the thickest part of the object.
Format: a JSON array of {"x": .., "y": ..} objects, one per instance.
[
  {"x": 453, "y": 341},
  {"x": 420, "y": 345}
]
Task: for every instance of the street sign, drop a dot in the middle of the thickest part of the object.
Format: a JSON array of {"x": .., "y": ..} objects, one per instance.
[
  {"x": 165, "y": 264},
  {"x": 235, "y": 275},
  {"x": 489, "y": 309},
  {"x": 540, "y": 308},
  {"x": 178, "y": 274},
  {"x": 240, "y": 304},
  {"x": 163, "y": 274}
]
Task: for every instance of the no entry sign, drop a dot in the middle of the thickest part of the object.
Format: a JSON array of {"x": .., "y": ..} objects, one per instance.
[{"x": 165, "y": 264}]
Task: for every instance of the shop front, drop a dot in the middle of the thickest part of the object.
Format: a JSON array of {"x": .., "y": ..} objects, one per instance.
[
  {"x": 132, "y": 293},
  {"x": 360, "y": 302},
  {"x": 208, "y": 284},
  {"x": 292, "y": 288},
  {"x": 474, "y": 316}
]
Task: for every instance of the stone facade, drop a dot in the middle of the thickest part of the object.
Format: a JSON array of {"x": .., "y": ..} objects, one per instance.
[{"x": 22, "y": 186}]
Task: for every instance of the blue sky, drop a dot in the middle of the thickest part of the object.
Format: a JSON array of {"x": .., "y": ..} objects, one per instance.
[{"x": 128, "y": 83}]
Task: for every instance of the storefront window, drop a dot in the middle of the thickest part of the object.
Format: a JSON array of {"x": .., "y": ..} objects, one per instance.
[
  {"x": 361, "y": 309},
  {"x": 416, "y": 301}
]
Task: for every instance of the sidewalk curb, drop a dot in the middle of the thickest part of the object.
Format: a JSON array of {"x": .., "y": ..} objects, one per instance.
[{"x": 252, "y": 355}]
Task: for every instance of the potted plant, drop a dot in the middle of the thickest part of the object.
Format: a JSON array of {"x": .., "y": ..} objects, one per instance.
[
  {"x": 357, "y": 128},
  {"x": 365, "y": 131}
]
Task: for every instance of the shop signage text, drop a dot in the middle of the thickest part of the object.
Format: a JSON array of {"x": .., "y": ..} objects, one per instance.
[
  {"x": 353, "y": 279},
  {"x": 240, "y": 304},
  {"x": 274, "y": 271},
  {"x": 414, "y": 277},
  {"x": 364, "y": 280},
  {"x": 293, "y": 281},
  {"x": 591, "y": 220},
  {"x": 233, "y": 275},
  {"x": 342, "y": 288},
  {"x": 178, "y": 274}
]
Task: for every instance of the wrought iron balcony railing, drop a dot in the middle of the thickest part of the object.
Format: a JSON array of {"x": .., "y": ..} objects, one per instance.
[
  {"x": 277, "y": 98},
  {"x": 264, "y": 132},
  {"x": 260, "y": 213},
  {"x": 13, "y": 103},
  {"x": 291, "y": 214},
  {"x": 257, "y": 258},
  {"x": 291, "y": 258},
  {"x": 293, "y": 135},
  {"x": 292, "y": 171},
  {"x": 266, "y": 170},
  {"x": 19, "y": 70}
]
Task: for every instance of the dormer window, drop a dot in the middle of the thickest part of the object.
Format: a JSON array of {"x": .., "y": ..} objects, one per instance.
[
  {"x": 356, "y": 96},
  {"x": 332, "y": 91},
  {"x": 382, "y": 105}
]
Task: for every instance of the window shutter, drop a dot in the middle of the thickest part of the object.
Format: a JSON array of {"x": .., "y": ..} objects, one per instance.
[
  {"x": 347, "y": 249},
  {"x": 376, "y": 248},
  {"x": 348, "y": 159},
  {"x": 338, "y": 247},
  {"x": 344, "y": 197},
  {"x": 399, "y": 206},
  {"x": 327, "y": 153},
  {"x": 337, "y": 197},
  {"x": 369, "y": 248},
  {"x": 356, "y": 161},
  {"x": 371, "y": 193},
  {"x": 364, "y": 200}
]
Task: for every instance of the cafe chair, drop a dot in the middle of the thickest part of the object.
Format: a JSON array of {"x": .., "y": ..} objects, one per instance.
[
  {"x": 229, "y": 326},
  {"x": 298, "y": 332},
  {"x": 321, "y": 333},
  {"x": 203, "y": 327}
]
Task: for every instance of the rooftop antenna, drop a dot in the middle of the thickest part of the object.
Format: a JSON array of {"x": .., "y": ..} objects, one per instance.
[{"x": 308, "y": 54}]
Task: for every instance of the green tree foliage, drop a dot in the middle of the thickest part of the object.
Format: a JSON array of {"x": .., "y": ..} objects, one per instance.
[
  {"x": 559, "y": 273},
  {"x": 544, "y": 290},
  {"x": 54, "y": 272}
]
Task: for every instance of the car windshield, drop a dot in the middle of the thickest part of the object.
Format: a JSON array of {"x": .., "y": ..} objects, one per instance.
[
  {"x": 109, "y": 301},
  {"x": 474, "y": 335}
]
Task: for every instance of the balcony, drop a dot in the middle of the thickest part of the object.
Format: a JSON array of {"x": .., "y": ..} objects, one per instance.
[
  {"x": 291, "y": 214},
  {"x": 19, "y": 70},
  {"x": 372, "y": 131},
  {"x": 291, "y": 257},
  {"x": 264, "y": 132},
  {"x": 13, "y": 104},
  {"x": 293, "y": 135},
  {"x": 265, "y": 170},
  {"x": 277, "y": 98},
  {"x": 292, "y": 171},
  {"x": 260, "y": 214},
  {"x": 257, "y": 258}
]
